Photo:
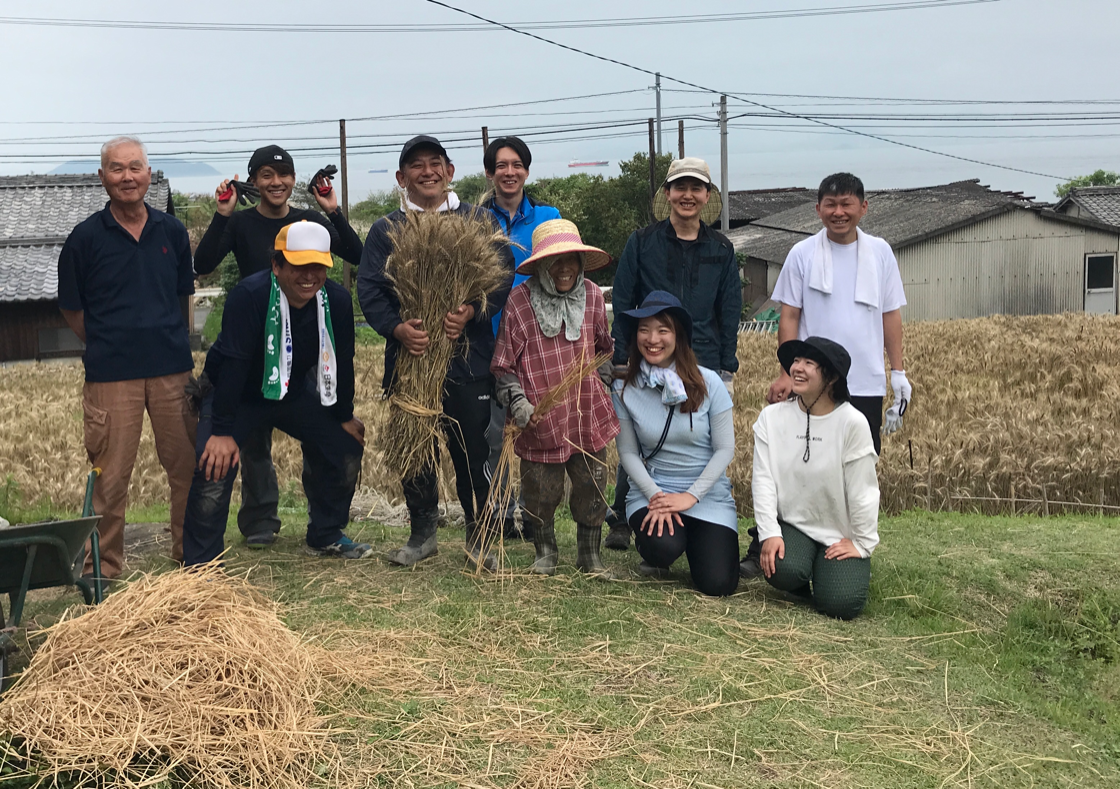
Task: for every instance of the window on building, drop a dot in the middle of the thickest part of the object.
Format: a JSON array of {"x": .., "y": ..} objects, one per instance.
[{"x": 1100, "y": 272}]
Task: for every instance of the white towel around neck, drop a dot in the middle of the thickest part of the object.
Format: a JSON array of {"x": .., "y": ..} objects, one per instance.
[
  {"x": 450, "y": 204},
  {"x": 867, "y": 271}
]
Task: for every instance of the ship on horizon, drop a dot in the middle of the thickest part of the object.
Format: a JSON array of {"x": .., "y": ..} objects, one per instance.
[{"x": 578, "y": 163}]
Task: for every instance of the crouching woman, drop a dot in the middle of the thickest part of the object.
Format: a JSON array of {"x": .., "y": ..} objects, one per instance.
[
  {"x": 816, "y": 496},
  {"x": 676, "y": 441},
  {"x": 553, "y": 321}
]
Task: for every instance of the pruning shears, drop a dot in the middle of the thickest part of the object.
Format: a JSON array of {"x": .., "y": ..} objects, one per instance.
[
  {"x": 327, "y": 174},
  {"x": 245, "y": 192}
]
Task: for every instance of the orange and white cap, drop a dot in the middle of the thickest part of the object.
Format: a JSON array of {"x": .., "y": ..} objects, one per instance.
[{"x": 304, "y": 243}]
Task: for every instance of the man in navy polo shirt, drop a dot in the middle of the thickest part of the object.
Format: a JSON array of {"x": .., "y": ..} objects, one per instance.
[
  {"x": 506, "y": 161},
  {"x": 121, "y": 274}
]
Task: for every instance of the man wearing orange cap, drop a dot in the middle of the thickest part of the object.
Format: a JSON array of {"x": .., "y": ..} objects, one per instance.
[{"x": 285, "y": 360}]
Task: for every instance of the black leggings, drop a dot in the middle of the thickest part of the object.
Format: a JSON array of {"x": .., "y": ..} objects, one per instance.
[{"x": 713, "y": 551}]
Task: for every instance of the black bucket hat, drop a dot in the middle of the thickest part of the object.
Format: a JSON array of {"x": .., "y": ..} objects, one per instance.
[
  {"x": 662, "y": 301},
  {"x": 828, "y": 354}
]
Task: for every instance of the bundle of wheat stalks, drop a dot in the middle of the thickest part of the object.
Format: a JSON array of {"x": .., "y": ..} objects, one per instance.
[
  {"x": 440, "y": 261},
  {"x": 188, "y": 675},
  {"x": 501, "y": 492}
]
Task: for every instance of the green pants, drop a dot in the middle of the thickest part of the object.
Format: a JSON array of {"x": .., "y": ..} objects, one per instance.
[{"x": 838, "y": 587}]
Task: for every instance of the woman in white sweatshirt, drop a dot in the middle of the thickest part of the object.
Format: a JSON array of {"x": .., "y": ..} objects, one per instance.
[{"x": 816, "y": 496}]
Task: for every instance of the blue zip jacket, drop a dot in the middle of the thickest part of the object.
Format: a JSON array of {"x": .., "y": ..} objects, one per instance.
[{"x": 520, "y": 229}]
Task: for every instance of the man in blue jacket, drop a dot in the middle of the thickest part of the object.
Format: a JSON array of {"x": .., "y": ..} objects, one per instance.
[
  {"x": 506, "y": 162},
  {"x": 424, "y": 174},
  {"x": 680, "y": 254}
]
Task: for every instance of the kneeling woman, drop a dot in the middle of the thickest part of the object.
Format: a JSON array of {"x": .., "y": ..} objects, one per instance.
[
  {"x": 552, "y": 321},
  {"x": 816, "y": 496},
  {"x": 676, "y": 442}
]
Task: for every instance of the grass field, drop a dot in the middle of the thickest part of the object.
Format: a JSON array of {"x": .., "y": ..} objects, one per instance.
[{"x": 988, "y": 656}]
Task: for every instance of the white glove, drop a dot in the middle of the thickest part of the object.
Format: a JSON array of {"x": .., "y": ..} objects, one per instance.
[
  {"x": 521, "y": 410},
  {"x": 728, "y": 381},
  {"x": 902, "y": 393}
]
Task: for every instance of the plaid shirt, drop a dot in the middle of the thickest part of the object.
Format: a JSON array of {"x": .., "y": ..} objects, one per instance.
[{"x": 586, "y": 418}]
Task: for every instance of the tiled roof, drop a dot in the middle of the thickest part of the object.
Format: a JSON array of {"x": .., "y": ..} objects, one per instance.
[
  {"x": 755, "y": 204},
  {"x": 37, "y": 213},
  {"x": 901, "y": 216},
  {"x": 29, "y": 273},
  {"x": 1102, "y": 202}
]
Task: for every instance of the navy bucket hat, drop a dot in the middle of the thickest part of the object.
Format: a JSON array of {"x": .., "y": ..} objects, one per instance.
[{"x": 659, "y": 301}]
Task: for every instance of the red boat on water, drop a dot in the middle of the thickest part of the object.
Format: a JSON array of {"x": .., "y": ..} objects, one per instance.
[{"x": 588, "y": 164}]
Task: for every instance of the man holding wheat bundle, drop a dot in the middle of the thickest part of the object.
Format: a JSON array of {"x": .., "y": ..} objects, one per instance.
[{"x": 462, "y": 407}]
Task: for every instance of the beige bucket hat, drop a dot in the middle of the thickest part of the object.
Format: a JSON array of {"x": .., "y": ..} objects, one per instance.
[{"x": 689, "y": 167}]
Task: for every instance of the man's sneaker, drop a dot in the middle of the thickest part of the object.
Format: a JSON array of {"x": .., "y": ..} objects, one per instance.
[
  {"x": 262, "y": 539},
  {"x": 749, "y": 568},
  {"x": 345, "y": 548},
  {"x": 618, "y": 538}
]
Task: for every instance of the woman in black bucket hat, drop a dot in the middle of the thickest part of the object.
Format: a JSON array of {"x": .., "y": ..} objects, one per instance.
[{"x": 816, "y": 496}]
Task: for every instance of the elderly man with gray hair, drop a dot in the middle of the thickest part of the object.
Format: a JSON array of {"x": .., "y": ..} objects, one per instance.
[{"x": 121, "y": 276}]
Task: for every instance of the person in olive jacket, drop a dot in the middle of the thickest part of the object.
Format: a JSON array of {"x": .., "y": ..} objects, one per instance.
[{"x": 683, "y": 255}]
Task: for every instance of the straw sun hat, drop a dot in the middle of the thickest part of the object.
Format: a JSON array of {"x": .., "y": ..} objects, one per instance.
[
  {"x": 689, "y": 167},
  {"x": 556, "y": 237}
]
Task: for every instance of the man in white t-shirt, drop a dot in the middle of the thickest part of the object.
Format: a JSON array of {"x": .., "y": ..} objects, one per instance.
[{"x": 845, "y": 285}]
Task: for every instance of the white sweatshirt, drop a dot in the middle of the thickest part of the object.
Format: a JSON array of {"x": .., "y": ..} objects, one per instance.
[{"x": 832, "y": 496}]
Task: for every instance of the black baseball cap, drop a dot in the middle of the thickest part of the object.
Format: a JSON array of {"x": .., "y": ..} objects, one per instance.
[
  {"x": 270, "y": 155},
  {"x": 420, "y": 141}
]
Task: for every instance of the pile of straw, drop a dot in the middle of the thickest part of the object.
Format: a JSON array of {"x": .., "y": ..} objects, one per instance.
[
  {"x": 185, "y": 676},
  {"x": 440, "y": 261}
]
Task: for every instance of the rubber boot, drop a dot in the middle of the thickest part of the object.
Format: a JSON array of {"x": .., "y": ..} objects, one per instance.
[
  {"x": 544, "y": 540},
  {"x": 421, "y": 542},
  {"x": 478, "y": 547},
  {"x": 587, "y": 552}
]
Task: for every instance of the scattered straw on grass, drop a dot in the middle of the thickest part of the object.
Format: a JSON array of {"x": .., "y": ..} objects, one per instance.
[
  {"x": 440, "y": 261},
  {"x": 190, "y": 675}
]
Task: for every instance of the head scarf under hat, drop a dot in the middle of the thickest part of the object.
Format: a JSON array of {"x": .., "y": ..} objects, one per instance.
[{"x": 552, "y": 308}]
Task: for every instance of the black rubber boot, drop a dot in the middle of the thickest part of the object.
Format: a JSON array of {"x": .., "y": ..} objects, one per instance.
[
  {"x": 478, "y": 547},
  {"x": 587, "y": 552},
  {"x": 618, "y": 538},
  {"x": 421, "y": 542}
]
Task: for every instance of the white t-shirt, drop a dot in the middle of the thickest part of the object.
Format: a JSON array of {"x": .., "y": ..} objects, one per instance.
[
  {"x": 832, "y": 496},
  {"x": 837, "y": 316}
]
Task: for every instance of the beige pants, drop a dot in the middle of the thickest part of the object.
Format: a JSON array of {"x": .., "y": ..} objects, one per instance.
[{"x": 114, "y": 416}]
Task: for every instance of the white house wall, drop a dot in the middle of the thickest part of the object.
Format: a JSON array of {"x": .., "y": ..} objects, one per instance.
[{"x": 1014, "y": 264}]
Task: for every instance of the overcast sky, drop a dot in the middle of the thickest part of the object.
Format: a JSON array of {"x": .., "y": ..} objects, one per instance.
[{"x": 92, "y": 83}]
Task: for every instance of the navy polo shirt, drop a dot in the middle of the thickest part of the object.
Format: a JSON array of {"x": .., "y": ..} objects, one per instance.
[{"x": 129, "y": 293}]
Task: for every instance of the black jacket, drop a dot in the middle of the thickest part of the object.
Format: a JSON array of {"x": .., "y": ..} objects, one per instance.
[
  {"x": 382, "y": 308},
  {"x": 703, "y": 274}
]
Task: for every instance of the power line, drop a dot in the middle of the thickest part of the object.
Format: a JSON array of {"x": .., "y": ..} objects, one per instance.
[
  {"x": 896, "y": 100},
  {"x": 739, "y": 97},
  {"x": 617, "y": 22}
]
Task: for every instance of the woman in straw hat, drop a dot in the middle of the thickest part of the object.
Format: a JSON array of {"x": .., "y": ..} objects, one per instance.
[
  {"x": 816, "y": 496},
  {"x": 676, "y": 441},
  {"x": 552, "y": 322}
]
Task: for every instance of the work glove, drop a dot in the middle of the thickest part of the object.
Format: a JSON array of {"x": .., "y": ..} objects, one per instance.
[
  {"x": 328, "y": 174},
  {"x": 606, "y": 373},
  {"x": 521, "y": 410},
  {"x": 243, "y": 191},
  {"x": 728, "y": 381},
  {"x": 902, "y": 393}
]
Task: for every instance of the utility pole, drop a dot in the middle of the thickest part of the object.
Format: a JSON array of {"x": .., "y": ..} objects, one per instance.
[
  {"x": 485, "y": 137},
  {"x": 657, "y": 87},
  {"x": 724, "y": 216},
  {"x": 680, "y": 139},
  {"x": 652, "y": 168},
  {"x": 345, "y": 202}
]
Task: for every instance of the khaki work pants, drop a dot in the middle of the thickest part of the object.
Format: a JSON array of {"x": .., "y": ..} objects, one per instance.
[{"x": 114, "y": 416}]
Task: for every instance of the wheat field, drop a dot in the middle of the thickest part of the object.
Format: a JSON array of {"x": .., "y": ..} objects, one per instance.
[{"x": 1020, "y": 409}]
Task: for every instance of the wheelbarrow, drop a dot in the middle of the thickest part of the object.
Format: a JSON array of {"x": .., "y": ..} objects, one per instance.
[{"x": 44, "y": 555}]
